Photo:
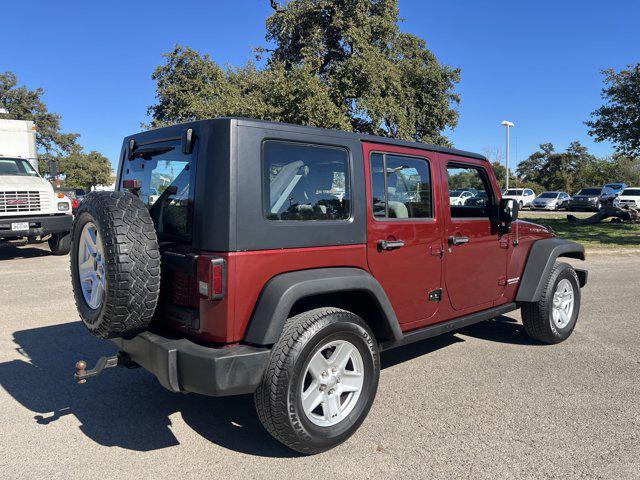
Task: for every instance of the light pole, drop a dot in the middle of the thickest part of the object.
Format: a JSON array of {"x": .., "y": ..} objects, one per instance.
[{"x": 507, "y": 124}]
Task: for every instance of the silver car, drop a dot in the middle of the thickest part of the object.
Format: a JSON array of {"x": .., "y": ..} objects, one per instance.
[{"x": 551, "y": 201}]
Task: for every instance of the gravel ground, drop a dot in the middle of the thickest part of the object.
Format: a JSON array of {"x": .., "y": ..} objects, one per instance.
[{"x": 482, "y": 403}]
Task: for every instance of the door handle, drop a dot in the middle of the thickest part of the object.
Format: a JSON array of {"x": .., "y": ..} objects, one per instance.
[
  {"x": 456, "y": 240},
  {"x": 390, "y": 244}
]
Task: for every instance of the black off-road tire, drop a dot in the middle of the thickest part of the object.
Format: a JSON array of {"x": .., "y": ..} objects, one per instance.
[
  {"x": 536, "y": 316},
  {"x": 132, "y": 264},
  {"x": 278, "y": 398},
  {"x": 60, "y": 243}
]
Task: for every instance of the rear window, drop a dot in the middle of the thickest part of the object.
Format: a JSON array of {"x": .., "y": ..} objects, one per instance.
[
  {"x": 165, "y": 175},
  {"x": 305, "y": 182},
  {"x": 589, "y": 191},
  {"x": 615, "y": 186},
  {"x": 513, "y": 191},
  {"x": 631, "y": 192}
]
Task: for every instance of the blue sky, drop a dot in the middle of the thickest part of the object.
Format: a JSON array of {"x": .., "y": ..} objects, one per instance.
[{"x": 535, "y": 63}]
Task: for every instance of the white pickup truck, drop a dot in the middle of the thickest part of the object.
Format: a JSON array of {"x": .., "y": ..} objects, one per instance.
[{"x": 29, "y": 207}]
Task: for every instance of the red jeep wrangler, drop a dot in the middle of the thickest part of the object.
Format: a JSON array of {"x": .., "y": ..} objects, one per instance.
[{"x": 241, "y": 256}]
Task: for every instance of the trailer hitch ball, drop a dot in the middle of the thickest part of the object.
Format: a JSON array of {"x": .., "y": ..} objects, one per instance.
[{"x": 81, "y": 371}]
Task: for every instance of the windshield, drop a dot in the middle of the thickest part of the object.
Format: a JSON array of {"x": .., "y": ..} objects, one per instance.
[
  {"x": 17, "y": 167},
  {"x": 615, "y": 186},
  {"x": 631, "y": 192},
  {"x": 549, "y": 195},
  {"x": 513, "y": 191},
  {"x": 589, "y": 191},
  {"x": 164, "y": 173}
]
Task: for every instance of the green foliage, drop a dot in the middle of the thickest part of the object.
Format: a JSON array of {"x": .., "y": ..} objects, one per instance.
[
  {"x": 575, "y": 168},
  {"x": 335, "y": 64},
  {"x": 618, "y": 120},
  {"x": 25, "y": 104},
  {"x": 86, "y": 170}
]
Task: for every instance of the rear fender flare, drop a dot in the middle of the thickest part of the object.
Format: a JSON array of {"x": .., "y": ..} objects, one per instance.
[
  {"x": 542, "y": 257},
  {"x": 281, "y": 293}
]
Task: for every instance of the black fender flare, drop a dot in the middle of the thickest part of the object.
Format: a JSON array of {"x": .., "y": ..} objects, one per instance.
[
  {"x": 542, "y": 257},
  {"x": 281, "y": 292}
]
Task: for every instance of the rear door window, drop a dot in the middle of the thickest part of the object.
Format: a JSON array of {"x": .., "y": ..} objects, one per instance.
[
  {"x": 401, "y": 187},
  {"x": 305, "y": 182},
  {"x": 165, "y": 175}
]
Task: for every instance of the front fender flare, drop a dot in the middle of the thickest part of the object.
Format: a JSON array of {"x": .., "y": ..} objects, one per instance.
[
  {"x": 542, "y": 257},
  {"x": 281, "y": 293}
]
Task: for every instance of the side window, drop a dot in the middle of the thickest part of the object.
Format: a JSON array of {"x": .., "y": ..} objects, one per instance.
[
  {"x": 305, "y": 182},
  {"x": 475, "y": 181},
  {"x": 401, "y": 187},
  {"x": 528, "y": 192}
]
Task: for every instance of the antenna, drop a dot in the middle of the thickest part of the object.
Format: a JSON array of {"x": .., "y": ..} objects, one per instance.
[{"x": 517, "y": 240}]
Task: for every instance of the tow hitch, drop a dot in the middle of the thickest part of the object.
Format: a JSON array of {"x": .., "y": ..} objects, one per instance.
[{"x": 119, "y": 360}]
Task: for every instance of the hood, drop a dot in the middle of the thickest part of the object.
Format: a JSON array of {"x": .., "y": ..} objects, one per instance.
[
  {"x": 18, "y": 182},
  {"x": 526, "y": 227}
]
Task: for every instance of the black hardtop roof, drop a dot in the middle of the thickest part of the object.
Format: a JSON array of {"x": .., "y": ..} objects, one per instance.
[{"x": 175, "y": 131}]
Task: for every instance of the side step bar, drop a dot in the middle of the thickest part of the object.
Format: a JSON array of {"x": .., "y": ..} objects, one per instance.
[{"x": 450, "y": 325}]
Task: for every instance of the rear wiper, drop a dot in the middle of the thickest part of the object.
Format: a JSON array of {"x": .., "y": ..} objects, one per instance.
[{"x": 147, "y": 153}]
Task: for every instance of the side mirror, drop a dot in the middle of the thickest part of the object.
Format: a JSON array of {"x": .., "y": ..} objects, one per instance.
[{"x": 508, "y": 212}]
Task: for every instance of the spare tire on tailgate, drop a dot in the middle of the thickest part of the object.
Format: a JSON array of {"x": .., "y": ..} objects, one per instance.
[{"x": 115, "y": 264}]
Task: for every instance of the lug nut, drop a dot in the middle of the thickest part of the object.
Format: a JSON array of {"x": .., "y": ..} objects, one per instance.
[
  {"x": 331, "y": 392},
  {"x": 334, "y": 369},
  {"x": 324, "y": 374},
  {"x": 338, "y": 380},
  {"x": 322, "y": 388}
]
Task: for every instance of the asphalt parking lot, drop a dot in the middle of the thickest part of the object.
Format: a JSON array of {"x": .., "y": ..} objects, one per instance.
[{"x": 482, "y": 403}]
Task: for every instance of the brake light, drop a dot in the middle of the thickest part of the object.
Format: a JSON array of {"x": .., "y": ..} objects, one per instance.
[
  {"x": 74, "y": 203},
  {"x": 212, "y": 278},
  {"x": 131, "y": 184}
]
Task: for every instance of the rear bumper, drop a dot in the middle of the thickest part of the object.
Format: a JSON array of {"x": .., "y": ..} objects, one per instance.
[
  {"x": 38, "y": 225},
  {"x": 184, "y": 366}
]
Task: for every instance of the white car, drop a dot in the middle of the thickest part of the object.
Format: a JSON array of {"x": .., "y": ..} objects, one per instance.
[
  {"x": 524, "y": 196},
  {"x": 630, "y": 197},
  {"x": 459, "y": 196}
]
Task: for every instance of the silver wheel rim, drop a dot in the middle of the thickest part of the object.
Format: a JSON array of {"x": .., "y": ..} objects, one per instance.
[
  {"x": 91, "y": 266},
  {"x": 332, "y": 383},
  {"x": 563, "y": 302}
]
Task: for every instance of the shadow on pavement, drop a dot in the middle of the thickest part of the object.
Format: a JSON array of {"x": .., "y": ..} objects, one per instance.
[
  {"x": 11, "y": 251},
  {"x": 129, "y": 408},
  {"x": 502, "y": 329}
]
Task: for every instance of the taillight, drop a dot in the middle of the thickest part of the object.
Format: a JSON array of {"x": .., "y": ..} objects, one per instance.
[
  {"x": 212, "y": 277},
  {"x": 131, "y": 184},
  {"x": 74, "y": 203}
]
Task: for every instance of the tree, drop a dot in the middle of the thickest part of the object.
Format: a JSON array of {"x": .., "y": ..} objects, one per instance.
[
  {"x": 618, "y": 120},
  {"x": 86, "y": 170},
  {"x": 25, "y": 104},
  {"x": 335, "y": 64},
  {"x": 556, "y": 170}
]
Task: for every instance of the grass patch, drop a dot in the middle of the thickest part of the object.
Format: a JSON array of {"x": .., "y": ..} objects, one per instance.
[{"x": 601, "y": 235}]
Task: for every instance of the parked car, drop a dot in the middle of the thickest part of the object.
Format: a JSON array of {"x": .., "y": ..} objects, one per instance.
[
  {"x": 586, "y": 199},
  {"x": 524, "y": 196},
  {"x": 76, "y": 195},
  {"x": 551, "y": 201},
  {"x": 610, "y": 191},
  {"x": 630, "y": 197},
  {"x": 273, "y": 284},
  {"x": 459, "y": 197},
  {"x": 480, "y": 199}
]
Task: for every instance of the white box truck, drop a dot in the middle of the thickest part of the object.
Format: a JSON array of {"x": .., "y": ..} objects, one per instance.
[{"x": 29, "y": 207}]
